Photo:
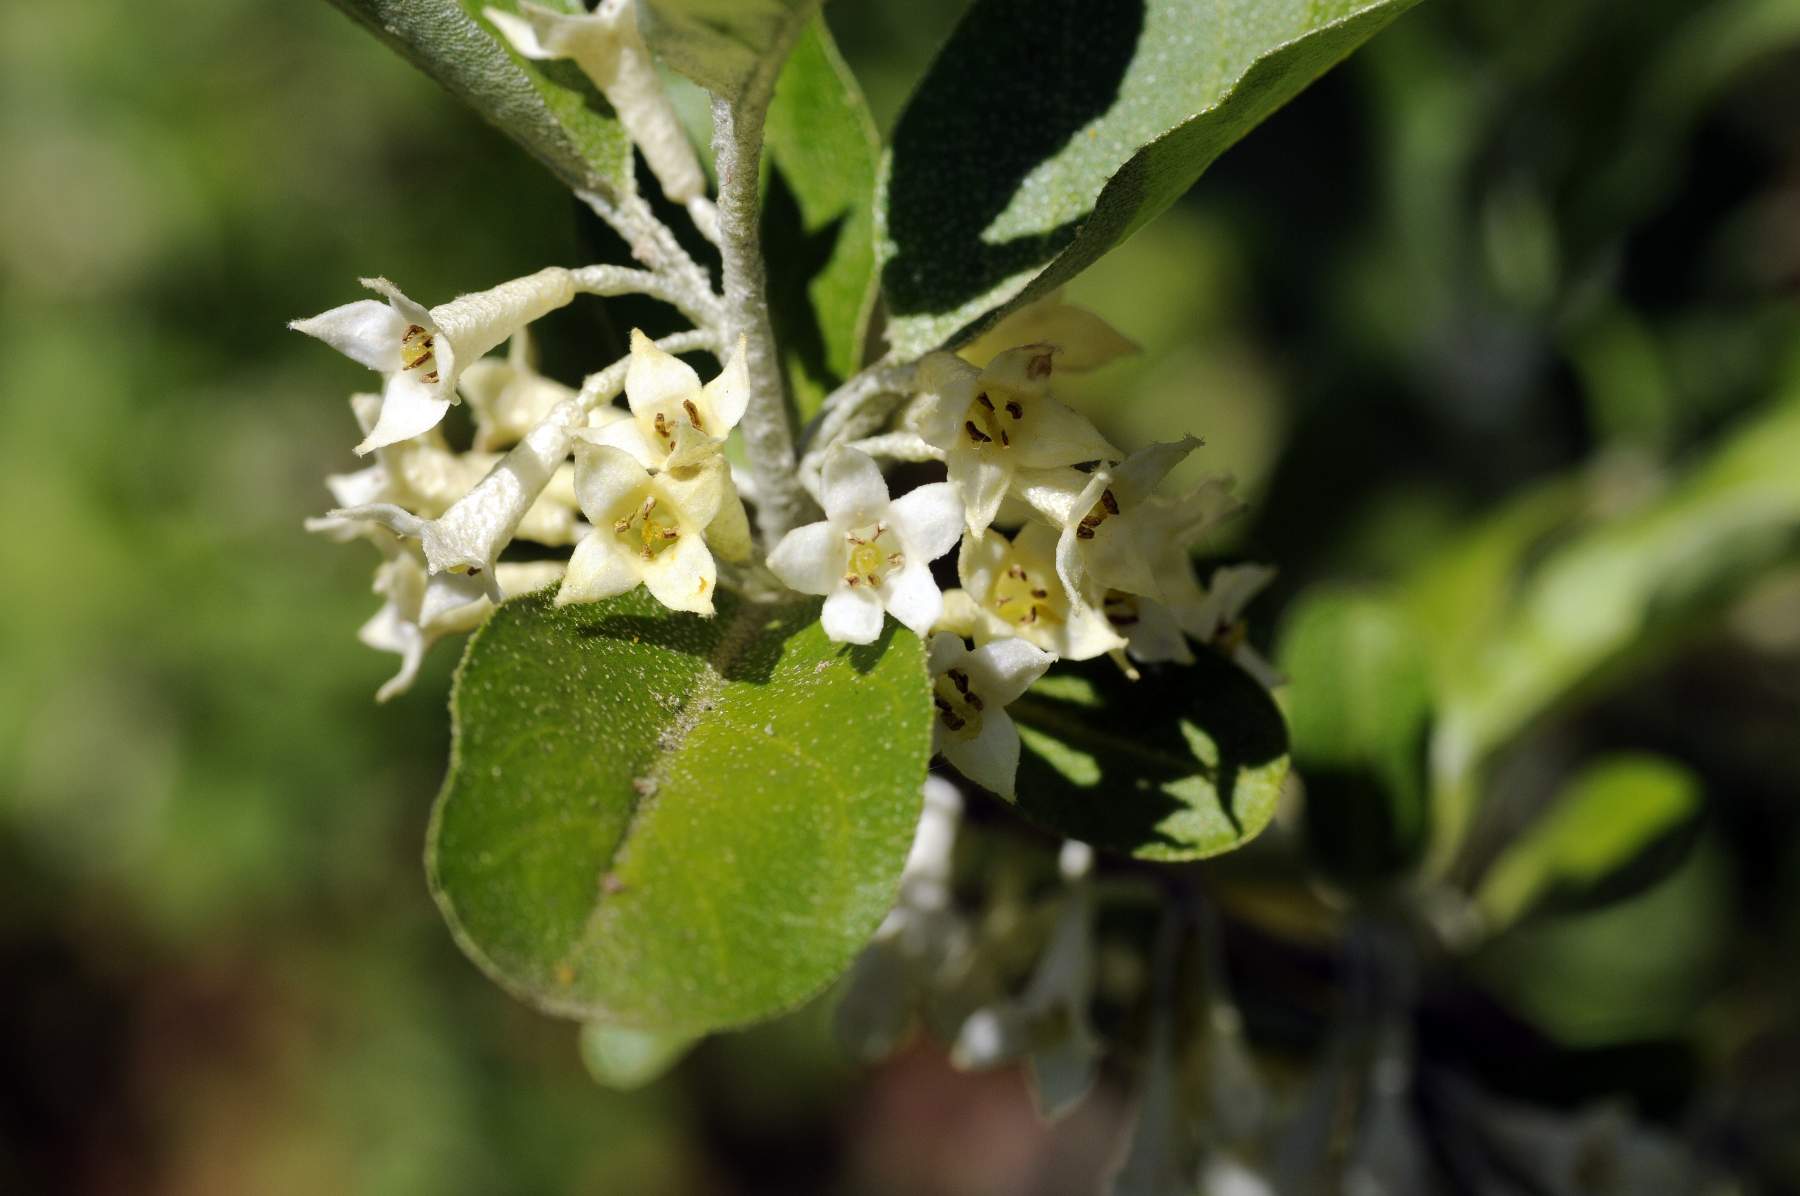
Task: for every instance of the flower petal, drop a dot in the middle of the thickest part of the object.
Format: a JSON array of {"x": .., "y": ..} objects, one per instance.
[
  {"x": 990, "y": 758},
  {"x": 852, "y": 615},
  {"x": 979, "y": 562},
  {"x": 982, "y": 484},
  {"x": 684, "y": 576},
  {"x": 912, "y": 597},
  {"x": 1024, "y": 370},
  {"x": 929, "y": 519},
  {"x": 811, "y": 559},
  {"x": 852, "y": 489},
  {"x": 605, "y": 479},
  {"x": 626, "y": 436},
  {"x": 1156, "y": 636},
  {"x": 408, "y": 409},
  {"x": 1134, "y": 478},
  {"x": 599, "y": 568},
  {"x": 367, "y": 331},
  {"x": 1004, "y": 669},
  {"x": 1062, "y": 436},
  {"x": 728, "y": 535},
  {"x": 729, "y": 394},
  {"x": 944, "y": 651},
  {"x": 655, "y": 377}
]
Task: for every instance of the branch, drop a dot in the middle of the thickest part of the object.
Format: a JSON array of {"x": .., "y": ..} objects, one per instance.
[{"x": 699, "y": 306}]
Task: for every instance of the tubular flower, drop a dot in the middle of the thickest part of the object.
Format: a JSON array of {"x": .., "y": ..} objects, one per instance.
[
  {"x": 1084, "y": 340},
  {"x": 648, "y": 529},
  {"x": 508, "y": 397},
  {"x": 970, "y": 692},
  {"x": 1011, "y": 588},
  {"x": 990, "y": 423},
  {"x": 420, "y": 609},
  {"x": 608, "y": 47},
  {"x": 419, "y": 353},
  {"x": 869, "y": 554},
  {"x": 675, "y": 421}
]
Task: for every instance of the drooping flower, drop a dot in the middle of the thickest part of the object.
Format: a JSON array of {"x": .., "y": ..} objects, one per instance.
[
  {"x": 870, "y": 554},
  {"x": 608, "y": 47},
  {"x": 992, "y": 422},
  {"x": 1011, "y": 588},
  {"x": 469, "y": 536},
  {"x": 676, "y": 422},
  {"x": 508, "y": 397},
  {"x": 648, "y": 529},
  {"x": 1085, "y": 340},
  {"x": 419, "y": 609},
  {"x": 970, "y": 692}
]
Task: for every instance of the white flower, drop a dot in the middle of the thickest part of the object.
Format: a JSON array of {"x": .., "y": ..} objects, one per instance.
[
  {"x": 676, "y": 422},
  {"x": 970, "y": 691},
  {"x": 508, "y": 397},
  {"x": 1049, "y": 1021},
  {"x": 469, "y": 537},
  {"x": 1012, "y": 589},
  {"x": 420, "y": 609},
  {"x": 869, "y": 554},
  {"x": 419, "y": 353},
  {"x": 1084, "y": 340},
  {"x": 608, "y": 48},
  {"x": 648, "y": 529},
  {"x": 992, "y": 422},
  {"x": 1216, "y": 617}
]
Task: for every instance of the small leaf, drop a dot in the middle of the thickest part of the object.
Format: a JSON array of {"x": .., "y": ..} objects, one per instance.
[
  {"x": 1359, "y": 709},
  {"x": 1048, "y": 131},
  {"x": 1614, "y": 829},
  {"x": 550, "y": 108},
  {"x": 818, "y": 220},
  {"x": 1185, "y": 763},
  {"x": 623, "y": 1058},
  {"x": 729, "y": 47},
  {"x": 671, "y": 823}
]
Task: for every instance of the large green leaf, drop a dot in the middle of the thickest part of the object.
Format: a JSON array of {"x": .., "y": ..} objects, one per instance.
[
  {"x": 671, "y": 823},
  {"x": 1186, "y": 762},
  {"x": 818, "y": 220},
  {"x": 1048, "y": 131},
  {"x": 730, "y": 47},
  {"x": 1614, "y": 829},
  {"x": 550, "y": 108},
  {"x": 1358, "y": 704}
]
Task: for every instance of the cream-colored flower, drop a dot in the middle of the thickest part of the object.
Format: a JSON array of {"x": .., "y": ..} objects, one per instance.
[
  {"x": 870, "y": 555},
  {"x": 991, "y": 423},
  {"x": 970, "y": 693},
  {"x": 420, "y": 352},
  {"x": 508, "y": 397},
  {"x": 1216, "y": 617},
  {"x": 676, "y": 422},
  {"x": 1011, "y": 588},
  {"x": 648, "y": 529},
  {"x": 1086, "y": 341}
]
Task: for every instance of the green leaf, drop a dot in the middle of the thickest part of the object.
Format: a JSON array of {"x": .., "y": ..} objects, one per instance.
[
  {"x": 730, "y": 47},
  {"x": 672, "y": 823},
  {"x": 623, "y": 1058},
  {"x": 550, "y": 108},
  {"x": 1048, "y": 131},
  {"x": 818, "y": 220},
  {"x": 1358, "y": 703},
  {"x": 1615, "y": 828},
  {"x": 1185, "y": 763}
]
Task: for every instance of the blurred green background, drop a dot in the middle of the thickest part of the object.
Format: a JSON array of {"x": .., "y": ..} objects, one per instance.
[{"x": 1509, "y": 243}]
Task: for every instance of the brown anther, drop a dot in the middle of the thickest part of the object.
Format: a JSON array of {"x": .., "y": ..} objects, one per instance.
[
  {"x": 1109, "y": 502},
  {"x": 1013, "y": 409},
  {"x": 1084, "y": 532},
  {"x": 662, "y": 426},
  {"x": 1005, "y": 440},
  {"x": 852, "y": 580},
  {"x": 1039, "y": 366},
  {"x": 1017, "y": 571},
  {"x": 974, "y": 701},
  {"x": 670, "y": 533},
  {"x": 959, "y": 679},
  {"x": 1037, "y": 593},
  {"x": 1031, "y": 616},
  {"x": 984, "y": 400},
  {"x": 975, "y": 434},
  {"x": 622, "y": 525},
  {"x": 1122, "y": 620},
  {"x": 941, "y": 702},
  {"x": 430, "y": 378},
  {"x": 896, "y": 559},
  {"x": 953, "y": 721},
  {"x": 873, "y": 580},
  {"x": 693, "y": 414}
]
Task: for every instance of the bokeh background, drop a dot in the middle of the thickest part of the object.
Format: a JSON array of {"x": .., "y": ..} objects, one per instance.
[{"x": 1509, "y": 242}]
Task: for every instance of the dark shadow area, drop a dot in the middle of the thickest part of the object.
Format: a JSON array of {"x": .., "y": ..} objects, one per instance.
[
  {"x": 1133, "y": 734},
  {"x": 802, "y": 255},
  {"x": 1016, "y": 81},
  {"x": 864, "y": 657}
]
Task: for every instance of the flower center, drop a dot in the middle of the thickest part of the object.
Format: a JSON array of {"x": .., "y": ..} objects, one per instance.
[
  {"x": 667, "y": 428},
  {"x": 988, "y": 424},
  {"x": 418, "y": 351},
  {"x": 1099, "y": 513},
  {"x": 645, "y": 532},
  {"x": 870, "y": 559},
  {"x": 1024, "y": 598},
  {"x": 958, "y": 707}
]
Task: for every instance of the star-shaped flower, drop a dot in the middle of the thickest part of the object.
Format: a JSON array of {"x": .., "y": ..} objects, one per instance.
[
  {"x": 648, "y": 529},
  {"x": 870, "y": 554},
  {"x": 676, "y": 422},
  {"x": 1011, "y": 588},
  {"x": 992, "y": 422},
  {"x": 970, "y": 691},
  {"x": 420, "y": 352},
  {"x": 1216, "y": 617}
]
